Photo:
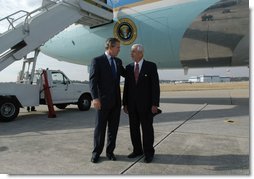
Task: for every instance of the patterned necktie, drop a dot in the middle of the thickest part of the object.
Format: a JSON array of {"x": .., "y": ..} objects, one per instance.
[
  {"x": 113, "y": 69},
  {"x": 136, "y": 72}
]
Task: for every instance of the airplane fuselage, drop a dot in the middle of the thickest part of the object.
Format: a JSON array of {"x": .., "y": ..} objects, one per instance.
[{"x": 175, "y": 34}]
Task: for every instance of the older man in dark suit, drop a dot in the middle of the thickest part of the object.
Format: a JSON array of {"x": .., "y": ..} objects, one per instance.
[
  {"x": 141, "y": 100},
  {"x": 104, "y": 78}
]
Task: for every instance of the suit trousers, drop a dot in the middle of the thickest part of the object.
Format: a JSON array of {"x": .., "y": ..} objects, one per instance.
[
  {"x": 146, "y": 120},
  {"x": 106, "y": 117}
]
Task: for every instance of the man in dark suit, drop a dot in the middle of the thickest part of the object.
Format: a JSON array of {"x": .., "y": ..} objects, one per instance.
[
  {"x": 141, "y": 100},
  {"x": 104, "y": 78}
]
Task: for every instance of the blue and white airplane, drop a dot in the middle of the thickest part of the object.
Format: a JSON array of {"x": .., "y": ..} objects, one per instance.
[{"x": 175, "y": 33}]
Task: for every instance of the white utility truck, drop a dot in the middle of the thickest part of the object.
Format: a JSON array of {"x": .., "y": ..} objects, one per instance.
[
  {"x": 14, "y": 96},
  {"x": 24, "y": 33}
]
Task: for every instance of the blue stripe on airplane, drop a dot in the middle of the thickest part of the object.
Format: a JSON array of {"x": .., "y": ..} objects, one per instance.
[{"x": 118, "y": 3}]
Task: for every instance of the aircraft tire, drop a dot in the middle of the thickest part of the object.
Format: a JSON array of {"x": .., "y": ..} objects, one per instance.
[{"x": 9, "y": 109}]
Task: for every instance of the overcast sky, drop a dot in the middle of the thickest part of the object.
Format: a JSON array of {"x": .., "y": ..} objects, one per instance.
[{"x": 78, "y": 72}]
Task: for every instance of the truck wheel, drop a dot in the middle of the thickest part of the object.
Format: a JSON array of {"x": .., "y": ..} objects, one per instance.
[
  {"x": 61, "y": 106},
  {"x": 9, "y": 110},
  {"x": 84, "y": 103}
]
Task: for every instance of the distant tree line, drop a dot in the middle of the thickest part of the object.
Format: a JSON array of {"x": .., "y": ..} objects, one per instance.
[
  {"x": 232, "y": 79},
  {"x": 239, "y": 79}
]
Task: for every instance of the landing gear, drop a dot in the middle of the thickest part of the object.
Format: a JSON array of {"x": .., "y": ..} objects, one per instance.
[{"x": 32, "y": 108}]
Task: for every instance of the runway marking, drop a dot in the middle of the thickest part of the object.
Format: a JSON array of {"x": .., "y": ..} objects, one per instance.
[{"x": 188, "y": 118}]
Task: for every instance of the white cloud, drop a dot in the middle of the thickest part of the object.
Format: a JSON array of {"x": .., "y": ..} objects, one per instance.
[{"x": 9, "y": 7}]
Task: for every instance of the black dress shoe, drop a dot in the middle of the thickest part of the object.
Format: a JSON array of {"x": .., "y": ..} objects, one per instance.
[
  {"x": 111, "y": 157},
  {"x": 148, "y": 159},
  {"x": 95, "y": 159},
  {"x": 134, "y": 155}
]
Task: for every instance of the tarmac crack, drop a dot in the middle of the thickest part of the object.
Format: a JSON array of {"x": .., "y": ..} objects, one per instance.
[{"x": 167, "y": 135}]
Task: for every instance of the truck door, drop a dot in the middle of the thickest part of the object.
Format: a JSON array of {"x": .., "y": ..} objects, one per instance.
[{"x": 60, "y": 88}]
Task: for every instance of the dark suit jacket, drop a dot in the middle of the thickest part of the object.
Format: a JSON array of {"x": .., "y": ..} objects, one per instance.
[
  {"x": 102, "y": 83},
  {"x": 146, "y": 92}
]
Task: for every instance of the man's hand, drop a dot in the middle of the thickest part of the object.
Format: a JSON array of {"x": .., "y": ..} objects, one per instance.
[
  {"x": 154, "y": 109},
  {"x": 97, "y": 104},
  {"x": 125, "y": 109}
]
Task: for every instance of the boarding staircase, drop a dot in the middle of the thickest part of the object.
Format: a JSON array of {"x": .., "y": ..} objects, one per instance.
[{"x": 37, "y": 27}]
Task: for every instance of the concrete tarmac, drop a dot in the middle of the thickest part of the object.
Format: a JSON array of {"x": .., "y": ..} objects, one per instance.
[{"x": 198, "y": 133}]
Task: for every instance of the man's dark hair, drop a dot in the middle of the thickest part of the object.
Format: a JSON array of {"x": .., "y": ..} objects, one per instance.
[{"x": 111, "y": 42}]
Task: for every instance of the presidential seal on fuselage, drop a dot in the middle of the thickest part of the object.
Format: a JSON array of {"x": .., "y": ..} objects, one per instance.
[{"x": 126, "y": 31}]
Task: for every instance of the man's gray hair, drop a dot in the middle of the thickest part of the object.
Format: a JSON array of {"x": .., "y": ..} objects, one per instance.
[{"x": 139, "y": 47}]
